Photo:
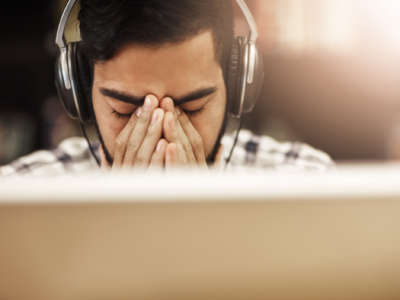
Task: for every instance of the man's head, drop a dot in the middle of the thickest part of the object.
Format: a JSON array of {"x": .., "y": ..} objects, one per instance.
[{"x": 175, "y": 48}]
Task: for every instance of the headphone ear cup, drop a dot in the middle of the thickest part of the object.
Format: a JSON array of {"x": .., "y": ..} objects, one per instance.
[
  {"x": 76, "y": 99},
  {"x": 234, "y": 82},
  {"x": 253, "y": 90},
  {"x": 65, "y": 95}
]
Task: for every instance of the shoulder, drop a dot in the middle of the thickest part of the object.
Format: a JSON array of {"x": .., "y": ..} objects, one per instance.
[
  {"x": 72, "y": 155},
  {"x": 264, "y": 152}
]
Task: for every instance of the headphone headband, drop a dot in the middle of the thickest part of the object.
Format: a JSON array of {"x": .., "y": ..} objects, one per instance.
[
  {"x": 250, "y": 21},
  {"x": 252, "y": 38},
  {"x": 60, "y": 40},
  {"x": 245, "y": 67}
]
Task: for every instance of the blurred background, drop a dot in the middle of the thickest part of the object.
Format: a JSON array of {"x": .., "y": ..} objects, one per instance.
[{"x": 332, "y": 77}]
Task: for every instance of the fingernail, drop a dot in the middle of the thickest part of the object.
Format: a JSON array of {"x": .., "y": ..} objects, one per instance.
[
  {"x": 156, "y": 116},
  {"x": 139, "y": 112},
  {"x": 148, "y": 104},
  {"x": 178, "y": 111},
  {"x": 168, "y": 104}
]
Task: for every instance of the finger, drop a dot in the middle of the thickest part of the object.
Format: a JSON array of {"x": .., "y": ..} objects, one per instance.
[
  {"x": 139, "y": 132},
  {"x": 170, "y": 156},
  {"x": 158, "y": 158},
  {"x": 175, "y": 156},
  {"x": 182, "y": 158},
  {"x": 167, "y": 104},
  {"x": 218, "y": 157},
  {"x": 103, "y": 160},
  {"x": 151, "y": 139},
  {"x": 184, "y": 140},
  {"x": 174, "y": 134},
  {"x": 174, "y": 131},
  {"x": 121, "y": 142},
  {"x": 169, "y": 128},
  {"x": 193, "y": 136}
]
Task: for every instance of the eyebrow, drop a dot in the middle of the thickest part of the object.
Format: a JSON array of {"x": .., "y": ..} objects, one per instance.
[{"x": 138, "y": 101}]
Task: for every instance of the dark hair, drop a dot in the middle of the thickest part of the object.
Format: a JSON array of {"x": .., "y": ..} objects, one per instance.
[{"x": 108, "y": 25}]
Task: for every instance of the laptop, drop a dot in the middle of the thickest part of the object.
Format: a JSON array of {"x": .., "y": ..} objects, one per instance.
[{"x": 245, "y": 235}]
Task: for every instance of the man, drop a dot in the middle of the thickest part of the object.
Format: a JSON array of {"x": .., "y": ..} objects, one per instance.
[{"x": 158, "y": 93}]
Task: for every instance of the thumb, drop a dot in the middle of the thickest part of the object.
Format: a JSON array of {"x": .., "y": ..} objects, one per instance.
[
  {"x": 218, "y": 157},
  {"x": 104, "y": 163}
]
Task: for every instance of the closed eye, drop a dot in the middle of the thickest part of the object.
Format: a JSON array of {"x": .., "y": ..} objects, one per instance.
[
  {"x": 120, "y": 109},
  {"x": 195, "y": 107},
  {"x": 193, "y": 112},
  {"x": 120, "y": 115}
]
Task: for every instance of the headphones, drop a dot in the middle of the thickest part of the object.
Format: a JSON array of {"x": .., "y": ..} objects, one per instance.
[{"x": 244, "y": 79}]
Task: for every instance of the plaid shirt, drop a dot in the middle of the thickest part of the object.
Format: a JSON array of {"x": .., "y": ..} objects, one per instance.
[{"x": 73, "y": 156}]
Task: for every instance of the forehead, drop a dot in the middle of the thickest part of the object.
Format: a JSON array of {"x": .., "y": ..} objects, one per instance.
[{"x": 168, "y": 69}]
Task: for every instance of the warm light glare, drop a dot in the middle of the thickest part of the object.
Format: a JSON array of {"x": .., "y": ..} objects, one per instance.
[
  {"x": 386, "y": 17},
  {"x": 337, "y": 28},
  {"x": 338, "y": 25},
  {"x": 291, "y": 24}
]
